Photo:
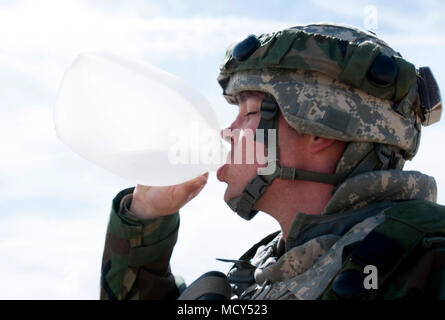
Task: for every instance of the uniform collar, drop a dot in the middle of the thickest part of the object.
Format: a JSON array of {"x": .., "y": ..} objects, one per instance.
[
  {"x": 381, "y": 186},
  {"x": 358, "y": 198}
]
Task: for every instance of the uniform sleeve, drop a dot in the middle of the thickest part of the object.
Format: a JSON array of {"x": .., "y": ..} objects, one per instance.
[{"x": 135, "y": 263}]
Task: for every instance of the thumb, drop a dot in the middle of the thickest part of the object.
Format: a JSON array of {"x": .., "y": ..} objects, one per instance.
[
  {"x": 197, "y": 191},
  {"x": 188, "y": 190}
]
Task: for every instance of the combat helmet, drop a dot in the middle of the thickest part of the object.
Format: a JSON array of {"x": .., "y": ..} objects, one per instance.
[{"x": 332, "y": 81}]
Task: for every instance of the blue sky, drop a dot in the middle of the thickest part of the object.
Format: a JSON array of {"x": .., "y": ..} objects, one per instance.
[{"x": 55, "y": 204}]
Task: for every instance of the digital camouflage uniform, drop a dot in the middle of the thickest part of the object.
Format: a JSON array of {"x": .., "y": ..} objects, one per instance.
[{"x": 335, "y": 82}]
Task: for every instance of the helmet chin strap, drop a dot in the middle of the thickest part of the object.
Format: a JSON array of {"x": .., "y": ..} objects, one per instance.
[{"x": 243, "y": 204}]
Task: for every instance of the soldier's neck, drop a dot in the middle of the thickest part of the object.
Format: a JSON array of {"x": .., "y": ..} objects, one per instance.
[{"x": 290, "y": 197}]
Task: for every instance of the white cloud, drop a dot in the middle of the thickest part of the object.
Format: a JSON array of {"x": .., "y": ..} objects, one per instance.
[
  {"x": 41, "y": 38},
  {"x": 51, "y": 258},
  {"x": 430, "y": 157},
  {"x": 401, "y": 22}
]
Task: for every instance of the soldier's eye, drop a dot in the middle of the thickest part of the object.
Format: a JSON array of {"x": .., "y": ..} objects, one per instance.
[{"x": 250, "y": 113}]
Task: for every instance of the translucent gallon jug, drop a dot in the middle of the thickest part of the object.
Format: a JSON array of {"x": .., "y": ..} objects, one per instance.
[{"x": 136, "y": 121}]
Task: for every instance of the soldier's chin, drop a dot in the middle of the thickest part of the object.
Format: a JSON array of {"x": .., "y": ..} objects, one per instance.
[
  {"x": 232, "y": 192},
  {"x": 229, "y": 194},
  {"x": 226, "y": 195}
]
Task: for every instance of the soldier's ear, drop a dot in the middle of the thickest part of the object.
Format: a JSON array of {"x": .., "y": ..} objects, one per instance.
[{"x": 317, "y": 144}]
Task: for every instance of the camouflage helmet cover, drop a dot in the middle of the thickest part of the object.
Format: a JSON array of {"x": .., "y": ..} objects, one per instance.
[{"x": 319, "y": 77}]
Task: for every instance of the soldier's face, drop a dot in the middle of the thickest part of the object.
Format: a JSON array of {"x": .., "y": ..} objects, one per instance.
[
  {"x": 296, "y": 150},
  {"x": 246, "y": 155}
]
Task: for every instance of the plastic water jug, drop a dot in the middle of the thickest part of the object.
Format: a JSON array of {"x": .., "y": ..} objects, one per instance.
[{"x": 136, "y": 120}]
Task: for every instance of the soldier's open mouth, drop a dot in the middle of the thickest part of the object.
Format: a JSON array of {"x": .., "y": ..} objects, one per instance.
[{"x": 229, "y": 160}]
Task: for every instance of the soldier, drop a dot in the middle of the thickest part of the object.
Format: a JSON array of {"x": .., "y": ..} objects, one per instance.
[{"x": 347, "y": 112}]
